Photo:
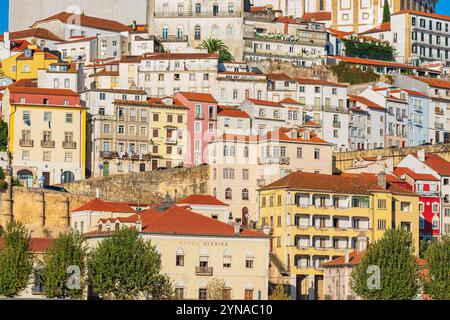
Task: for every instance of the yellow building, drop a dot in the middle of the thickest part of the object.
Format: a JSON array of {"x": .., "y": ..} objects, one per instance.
[
  {"x": 26, "y": 64},
  {"x": 47, "y": 137},
  {"x": 168, "y": 132},
  {"x": 315, "y": 218}
]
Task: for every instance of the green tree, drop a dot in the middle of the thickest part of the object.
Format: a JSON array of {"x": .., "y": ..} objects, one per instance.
[
  {"x": 162, "y": 288},
  {"x": 67, "y": 250},
  {"x": 279, "y": 293},
  {"x": 437, "y": 281},
  {"x": 16, "y": 260},
  {"x": 386, "y": 12},
  {"x": 388, "y": 270},
  {"x": 124, "y": 266},
  {"x": 423, "y": 246},
  {"x": 3, "y": 135},
  {"x": 217, "y": 46}
]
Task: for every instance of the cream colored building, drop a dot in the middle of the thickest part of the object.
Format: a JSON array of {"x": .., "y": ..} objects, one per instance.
[
  {"x": 241, "y": 164},
  {"x": 195, "y": 249},
  {"x": 199, "y": 20}
]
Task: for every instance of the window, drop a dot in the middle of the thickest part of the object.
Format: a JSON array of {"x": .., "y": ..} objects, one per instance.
[
  {"x": 317, "y": 154},
  {"x": 180, "y": 258},
  {"x": 68, "y": 157},
  {"x": 405, "y": 206},
  {"x": 381, "y": 224},
  {"x": 245, "y": 174},
  {"x": 121, "y": 129},
  {"x": 435, "y": 208},
  {"x": 228, "y": 194},
  {"x": 197, "y": 32},
  {"x": 46, "y": 156},
  {"x": 248, "y": 294},
  {"x": 249, "y": 262},
  {"x": 102, "y": 96},
  {"x": 202, "y": 294},
  {"x": 69, "y": 118},
  {"x": 381, "y": 204},
  {"x": 227, "y": 259},
  {"x": 179, "y": 293},
  {"x": 245, "y": 195}
]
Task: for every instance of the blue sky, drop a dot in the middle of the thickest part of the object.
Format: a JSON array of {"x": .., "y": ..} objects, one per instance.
[{"x": 443, "y": 7}]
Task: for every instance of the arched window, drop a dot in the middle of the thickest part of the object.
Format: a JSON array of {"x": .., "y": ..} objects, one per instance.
[
  {"x": 227, "y": 259},
  {"x": 228, "y": 194},
  {"x": 245, "y": 194},
  {"x": 180, "y": 32},
  {"x": 24, "y": 175},
  {"x": 67, "y": 177},
  {"x": 197, "y": 32},
  {"x": 179, "y": 258},
  {"x": 230, "y": 30},
  {"x": 165, "y": 32},
  {"x": 246, "y": 152}
]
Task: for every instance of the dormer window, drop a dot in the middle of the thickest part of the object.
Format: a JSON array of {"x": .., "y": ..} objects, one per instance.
[
  {"x": 100, "y": 228},
  {"x": 306, "y": 135},
  {"x": 117, "y": 226}
]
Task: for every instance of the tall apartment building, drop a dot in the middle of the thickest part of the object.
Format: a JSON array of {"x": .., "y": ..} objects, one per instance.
[
  {"x": 420, "y": 37},
  {"x": 195, "y": 21},
  {"x": 315, "y": 218},
  {"x": 48, "y": 134},
  {"x": 240, "y": 164},
  {"x": 164, "y": 74}
]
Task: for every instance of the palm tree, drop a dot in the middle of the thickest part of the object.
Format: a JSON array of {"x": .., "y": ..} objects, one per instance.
[{"x": 217, "y": 46}]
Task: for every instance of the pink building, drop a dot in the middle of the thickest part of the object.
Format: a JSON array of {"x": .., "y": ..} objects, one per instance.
[{"x": 201, "y": 125}]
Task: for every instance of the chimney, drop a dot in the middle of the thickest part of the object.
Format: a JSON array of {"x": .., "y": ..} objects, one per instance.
[
  {"x": 139, "y": 224},
  {"x": 421, "y": 155},
  {"x": 347, "y": 256},
  {"x": 237, "y": 229},
  {"x": 381, "y": 177},
  {"x": 7, "y": 41}
]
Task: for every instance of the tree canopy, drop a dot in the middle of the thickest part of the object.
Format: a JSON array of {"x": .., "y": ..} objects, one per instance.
[
  {"x": 437, "y": 281},
  {"x": 386, "y": 12},
  {"x": 388, "y": 270},
  {"x": 217, "y": 46}
]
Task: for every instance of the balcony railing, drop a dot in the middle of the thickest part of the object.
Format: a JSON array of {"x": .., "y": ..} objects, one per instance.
[
  {"x": 69, "y": 145},
  {"x": 171, "y": 141},
  {"x": 336, "y": 124},
  {"x": 108, "y": 155},
  {"x": 174, "y": 38},
  {"x": 439, "y": 125},
  {"x": 47, "y": 144},
  {"x": 204, "y": 271},
  {"x": 274, "y": 160},
  {"x": 199, "y": 116},
  {"x": 195, "y": 14},
  {"x": 26, "y": 143}
]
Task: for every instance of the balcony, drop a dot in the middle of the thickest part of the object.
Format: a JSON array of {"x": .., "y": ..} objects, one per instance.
[
  {"x": 199, "y": 116},
  {"x": 26, "y": 143},
  {"x": 336, "y": 124},
  {"x": 47, "y": 144},
  {"x": 439, "y": 111},
  {"x": 204, "y": 271},
  {"x": 274, "y": 160},
  {"x": 195, "y": 14},
  {"x": 108, "y": 155},
  {"x": 171, "y": 141},
  {"x": 174, "y": 38},
  {"x": 69, "y": 145},
  {"x": 439, "y": 125}
]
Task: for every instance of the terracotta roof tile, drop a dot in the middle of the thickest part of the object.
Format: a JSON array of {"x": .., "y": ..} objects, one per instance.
[
  {"x": 43, "y": 91},
  {"x": 265, "y": 103},
  {"x": 354, "y": 259},
  {"x": 178, "y": 56},
  {"x": 234, "y": 114},
  {"x": 372, "y": 62},
  {"x": 415, "y": 93},
  {"x": 365, "y": 102},
  {"x": 88, "y": 21},
  {"x": 424, "y": 14},
  {"x": 289, "y": 101},
  {"x": 105, "y": 206},
  {"x": 399, "y": 171},
  {"x": 36, "y": 33},
  {"x": 317, "y": 16},
  {"x": 199, "y": 97},
  {"x": 279, "y": 77},
  {"x": 437, "y": 163},
  {"x": 35, "y": 245},
  {"x": 384, "y": 27},
  {"x": 433, "y": 82},
  {"x": 201, "y": 199}
]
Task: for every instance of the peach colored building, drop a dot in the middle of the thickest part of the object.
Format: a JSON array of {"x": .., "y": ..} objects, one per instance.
[{"x": 241, "y": 164}]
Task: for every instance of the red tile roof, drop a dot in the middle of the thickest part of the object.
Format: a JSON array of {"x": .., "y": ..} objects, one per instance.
[
  {"x": 384, "y": 27},
  {"x": 42, "y": 91},
  {"x": 100, "y": 205},
  {"x": 424, "y": 14},
  {"x": 437, "y": 163},
  {"x": 399, "y": 171},
  {"x": 433, "y": 82},
  {"x": 265, "y": 103},
  {"x": 200, "y": 97},
  {"x": 365, "y": 102},
  {"x": 36, "y": 33},
  {"x": 35, "y": 245},
  {"x": 283, "y": 134},
  {"x": 234, "y": 114},
  {"x": 415, "y": 93},
  {"x": 354, "y": 259},
  {"x": 344, "y": 183},
  {"x": 310, "y": 123},
  {"x": 201, "y": 199},
  {"x": 88, "y": 21},
  {"x": 289, "y": 101},
  {"x": 183, "y": 221},
  {"x": 319, "y": 82},
  {"x": 317, "y": 16}
]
